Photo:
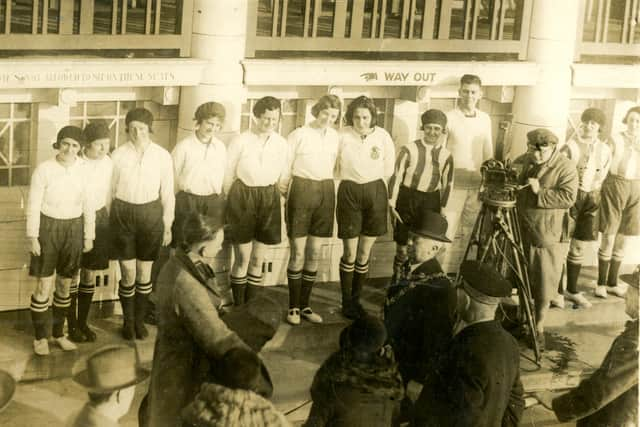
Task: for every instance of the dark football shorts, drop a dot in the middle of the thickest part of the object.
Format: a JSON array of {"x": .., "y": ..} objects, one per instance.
[
  {"x": 136, "y": 230},
  {"x": 187, "y": 203},
  {"x": 620, "y": 206},
  {"x": 61, "y": 243},
  {"x": 585, "y": 213},
  {"x": 310, "y": 208},
  {"x": 98, "y": 257},
  {"x": 411, "y": 205},
  {"x": 254, "y": 213},
  {"x": 362, "y": 209}
]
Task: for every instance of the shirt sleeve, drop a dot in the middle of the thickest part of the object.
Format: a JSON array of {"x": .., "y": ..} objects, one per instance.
[
  {"x": 604, "y": 167},
  {"x": 34, "y": 203},
  {"x": 109, "y": 195},
  {"x": 233, "y": 157},
  {"x": 402, "y": 162},
  {"x": 167, "y": 195},
  {"x": 115, "y": 175}
]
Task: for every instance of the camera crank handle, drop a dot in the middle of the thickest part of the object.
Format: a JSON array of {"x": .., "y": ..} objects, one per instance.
[{"x": 522, "y": 187}]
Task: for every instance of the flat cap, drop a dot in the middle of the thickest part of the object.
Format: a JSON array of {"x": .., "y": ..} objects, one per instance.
[
  {"x": 484, "y": 283},
  {"x": 542, "y": 137}
]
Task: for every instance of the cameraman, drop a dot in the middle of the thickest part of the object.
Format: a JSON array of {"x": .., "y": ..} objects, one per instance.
[{"x": 551, "y": 182}]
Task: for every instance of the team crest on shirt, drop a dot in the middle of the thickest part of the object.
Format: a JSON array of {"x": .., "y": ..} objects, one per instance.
[{"x": 375, "y": 153}]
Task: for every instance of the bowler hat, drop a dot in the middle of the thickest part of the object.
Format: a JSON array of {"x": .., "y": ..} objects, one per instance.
[
  {"x": 71, "y": 132},
  {"x": 431, "y": 225},
  {"x": 7, "y": 389},
  {"x": 111, "y": 368},
  {"x": 485, "y": 283}
]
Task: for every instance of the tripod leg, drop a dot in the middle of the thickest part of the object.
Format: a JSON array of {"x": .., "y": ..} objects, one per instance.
[{"x": 524, "y": 290}]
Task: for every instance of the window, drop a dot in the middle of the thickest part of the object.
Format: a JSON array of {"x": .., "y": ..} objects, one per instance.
[
  {"x": 114, "y": 112},
  {"x": 15, "y": 144}
]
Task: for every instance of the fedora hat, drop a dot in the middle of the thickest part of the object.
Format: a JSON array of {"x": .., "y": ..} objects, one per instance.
[
  {"x": 111, "y": 368},
  {"x": 431, "y": 225},
  {"x": 7, "y": 389}
]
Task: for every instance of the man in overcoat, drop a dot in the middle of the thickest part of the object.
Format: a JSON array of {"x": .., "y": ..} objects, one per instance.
[{"x": 478, "y": 382}]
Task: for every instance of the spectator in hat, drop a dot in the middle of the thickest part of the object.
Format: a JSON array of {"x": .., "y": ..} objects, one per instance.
[
  {"x": 421, "y": 181},
  {"x": 358, "y": 385},
  {"x": 141, "y": 216},
  {"x": 99, "y": 168},
  {"x": 415, "y": 310},
  {"x": 478, "y": 382},
  {"x": 365, "y": 163},
  {"x": 110, "y": 379},
  {"x": 257, "y": 160},
  {"x": 199, "y": 163},
  {"x": 237, "y": 395},
  {"x": 551, "y": 188},
  {"x": 311, "y": 202},
  {"x": 592, "y": 158},
  {"x": 191, "y": 331},
  {"x": 609, "y": 397},
  {"x": 60, "y": 227},
  {"x": 620, "y": 205}
]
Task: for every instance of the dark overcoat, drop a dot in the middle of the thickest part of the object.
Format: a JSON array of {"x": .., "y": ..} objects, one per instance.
[{"x": 478, "y": 383}]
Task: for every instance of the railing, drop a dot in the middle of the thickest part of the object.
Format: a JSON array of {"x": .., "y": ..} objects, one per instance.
[
  {"x": 609, "y": 27},
  {"x": 480, "y": 26},
  {"x": 65, "y": 25}
]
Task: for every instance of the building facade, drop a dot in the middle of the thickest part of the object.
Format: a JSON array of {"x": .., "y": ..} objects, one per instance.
[{"x": 68, "y": 62}]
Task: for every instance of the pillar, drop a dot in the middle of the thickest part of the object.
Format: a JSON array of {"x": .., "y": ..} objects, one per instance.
[
  {"x": 552, "y": 40},
  {"x": 219, "y": 38}
]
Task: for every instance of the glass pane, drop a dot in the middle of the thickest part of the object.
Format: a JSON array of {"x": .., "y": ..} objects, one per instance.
[
  {"x": 77, "y": 122},
  {"x": 122, "y": 136},
  {"x": 21, "y": 143},
  {"x": 295, "y": 18},
  {"x": 246, "y": 107},
  {"x": 126, "y": 106},
  {"x": 590, "y": 22},
  {"x": 456, "y": 29},
  {"x": 5, "y": 111},
  {"x": 3, "y": 9},
  {"x": 161, "y": 133},
  {"x": 616, "y": 19},
  {"x": 21, "y": 17},
  {"x": 325, "y": 20},
  {"x": 287, "y": 124},
  {"x": 136, "y": 16},
  {"x": 485, "y": 16},
  {"x": 20, "y": 176},
  {"x": 265, "y": 17},
  {"x": 101, "y": 109},
  {"x": 393, "y": 20},
  {"x": 53, "y": 21},
  {"x": 21, "y": 111},
  {"x": 244, "y": 123},
  {"x": 417, "y": 19},
  {"x": 289, "y": 106},
  {"x": 102, "y": 11},
  {"x": 512, "y": 20},
  {"x": 170, "y": 13},
  {"x": 76, "y": 17},
  {"x": 77, "y": 110}
]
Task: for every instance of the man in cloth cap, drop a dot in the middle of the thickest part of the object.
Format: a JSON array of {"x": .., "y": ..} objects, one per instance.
[
  {"x": 609, "y": 397},
  {"x": 552, "y": 187},
  {"x": 110, "y": 379},
  {"x": 98, "y": 171},
  {"x": 478, "y": 382},
  {"x": 141, "y": 216},
  {"x": 421, "y": 180},
  {"x": 60, "y": 226}
]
